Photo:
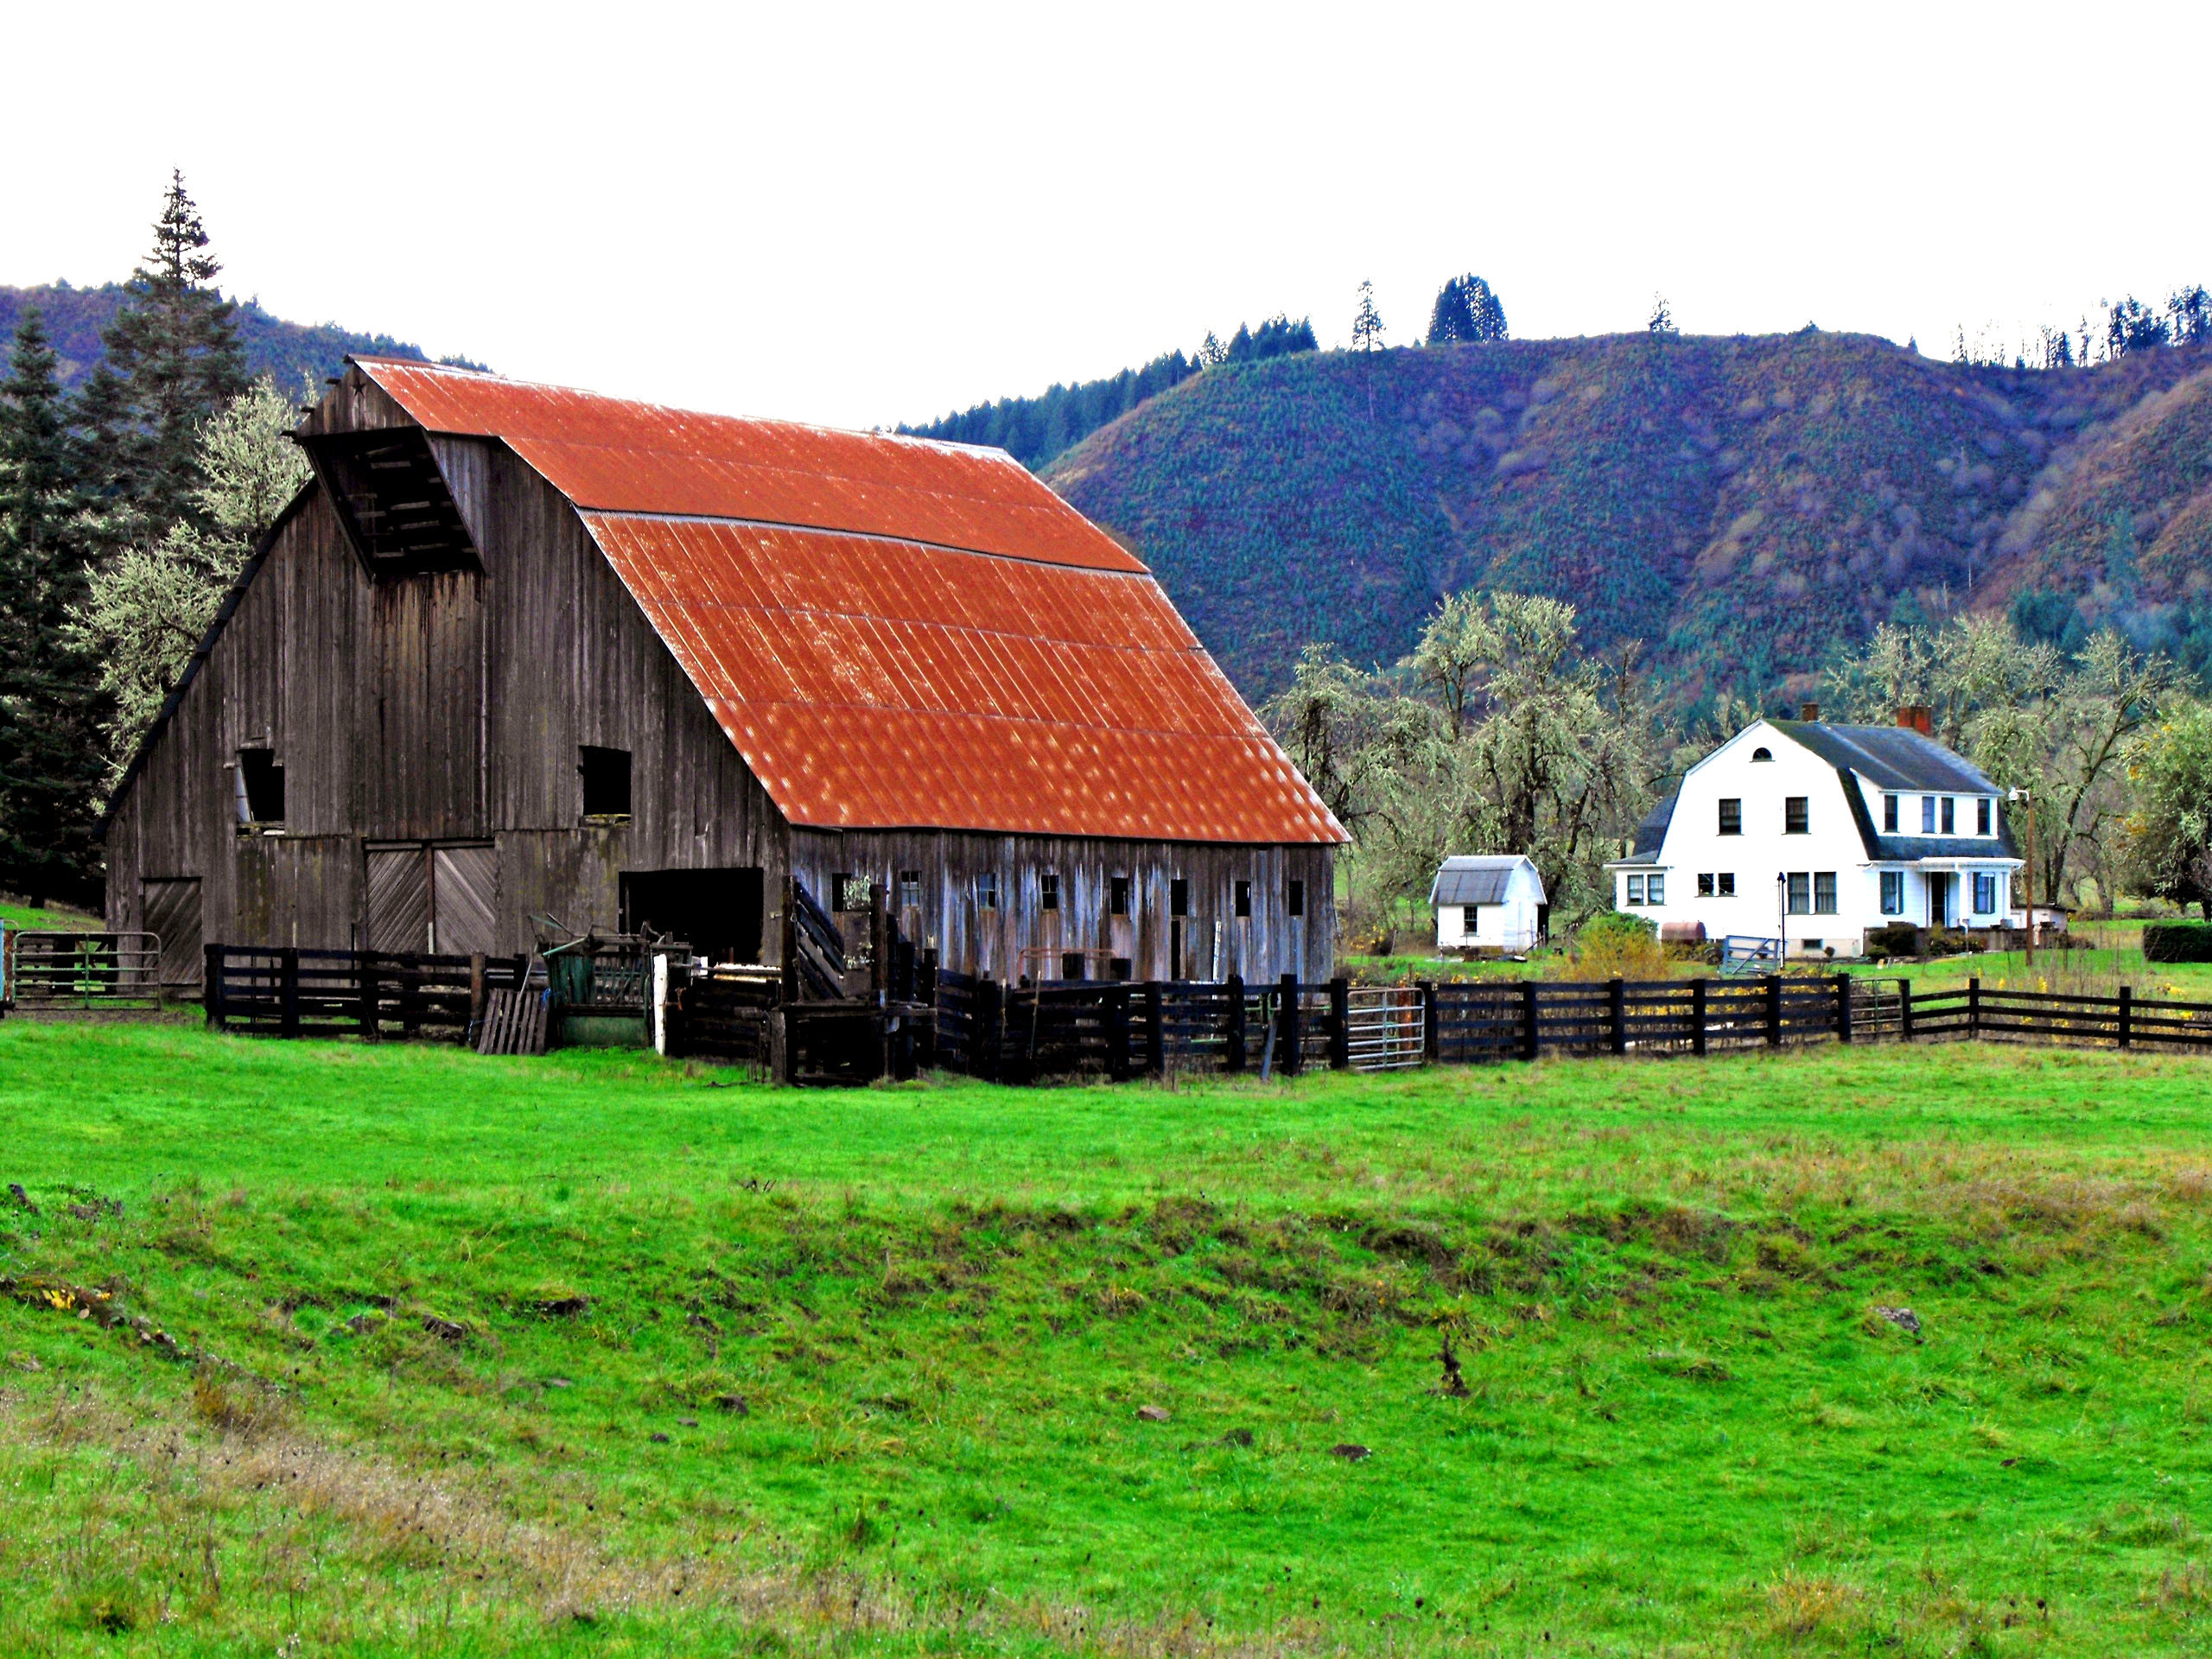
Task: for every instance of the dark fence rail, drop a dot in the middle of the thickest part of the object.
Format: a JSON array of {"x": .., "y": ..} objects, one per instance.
[
  {"x": 366, "y": 994},
  {"x": 1077, "y": 1028}
]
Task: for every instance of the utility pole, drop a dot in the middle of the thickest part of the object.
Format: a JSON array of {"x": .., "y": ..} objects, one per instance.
[{"x": 2022, "y": 795}]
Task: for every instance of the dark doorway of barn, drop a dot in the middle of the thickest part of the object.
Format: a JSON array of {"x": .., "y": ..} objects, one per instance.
[{"x": 716, "y": 913}]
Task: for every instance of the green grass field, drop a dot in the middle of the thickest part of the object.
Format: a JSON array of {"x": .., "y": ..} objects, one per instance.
[{"x": 596, "y": 1354}]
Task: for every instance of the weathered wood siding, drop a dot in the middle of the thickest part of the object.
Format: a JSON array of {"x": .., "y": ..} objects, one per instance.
[
  {"x": 438, "y": 706},
  {"x": 1215, "y": 941}
]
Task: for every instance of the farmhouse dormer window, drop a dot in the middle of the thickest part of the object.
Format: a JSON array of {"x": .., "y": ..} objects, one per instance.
[
  {"x": 1889, "y": 815},
  {"x": 1732, "y": 817},
  {"x": 1928, "y": 815},
  {"x": 1950, "y": 816},
  {"x": 1797, "y": 816},
  {"x": 1981, "y": 816}
]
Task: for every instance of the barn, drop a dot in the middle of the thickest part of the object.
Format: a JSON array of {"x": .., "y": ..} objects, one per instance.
[{"x": 519, "y": 653}]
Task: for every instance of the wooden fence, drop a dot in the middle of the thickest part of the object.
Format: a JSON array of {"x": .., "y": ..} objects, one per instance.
[
  {"x": 1023, "y": 1033},
  {"x": 366, "y": 994}
]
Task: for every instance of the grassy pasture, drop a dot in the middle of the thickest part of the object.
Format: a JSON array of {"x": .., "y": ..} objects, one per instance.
[{"x": 441, "y": 1312}]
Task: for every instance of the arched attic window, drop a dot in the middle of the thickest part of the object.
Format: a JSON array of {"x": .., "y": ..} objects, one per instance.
[{"x": 1762, "y": 754}]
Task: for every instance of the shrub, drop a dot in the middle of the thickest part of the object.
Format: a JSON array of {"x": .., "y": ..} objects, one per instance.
[
  {"x": 2177, "y": 942},
  {"x": 1897, "y": 939},
  {"x": 1616, "y": 946}
]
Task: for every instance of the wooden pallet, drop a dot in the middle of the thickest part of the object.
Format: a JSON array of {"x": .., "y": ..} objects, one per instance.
[{"x": 514, "y": 1023}]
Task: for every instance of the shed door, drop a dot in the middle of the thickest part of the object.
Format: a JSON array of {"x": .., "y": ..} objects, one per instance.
[
  {"x": 464, "y": 894},
  {"x": 399, "y": 898},
  {"x": 170, "y": 906}
]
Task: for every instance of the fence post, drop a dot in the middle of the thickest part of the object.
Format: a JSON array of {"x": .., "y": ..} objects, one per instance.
[
  {"x": 1232, "y": 1034},
  {"x": 1339, "y": 1025},
  {"x": 476, "y": 994},
  {"x": 1843, "y": 1008},
  {"x": 989, "y": 1027},
  {"x": 1117, "y": 1032},
  {"x": 1904, "y": 1009},
  {"x": 1531, "y": 1029},
  {"x": 1774, "y": 1010},
  {"x": 210, "y": 985},
  {"x": 2126, "y": 1016},
  {"x": 1697, "y": 1016},
  {"x": 1432, "y": 1038},
  {"x": 289, "y": 989},
  {"x": 365, "y": 975},
  {"x": 1287, "y": 1040},
  {"x": 1617, "y": 1009},
  {"x": 1974, "y": 1008},
  {"x": 1155, "y": 1029}
]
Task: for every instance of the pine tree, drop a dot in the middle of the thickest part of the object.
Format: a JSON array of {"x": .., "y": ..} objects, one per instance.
[
  {"x": 1367, "y": 321},
  {"x": 1449, "y": 319},
  {"x": 172, "y": 358},
  {"x": 49, "y": 755}
]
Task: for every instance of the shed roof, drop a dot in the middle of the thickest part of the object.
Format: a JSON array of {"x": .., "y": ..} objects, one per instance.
[
  {"x": 1480, "y": 879},
  {"x": 895, "y": 632}
]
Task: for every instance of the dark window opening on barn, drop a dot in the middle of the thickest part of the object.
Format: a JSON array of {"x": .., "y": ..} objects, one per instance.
[
  {"x": 1178, "y": 897},
  {"x": 1244, "y": 897},
  {"x": 1117, "y": 967},
  {"x": 987, "y": 891},
  {"x": 261, "y": 787},
  {"x": 716, "y": 913},
  {"x": 1118, "y": 895},
  {"x": 1048, "y": 898},
  {"x": 910, "y": 889},
  {"x": 852, "y": 892},
  {"x": 1293, "y": 898},
  {"x": 605, "y": 773},
  {"x": 392, "y": 498},
  {"x": 1071, "y": 964}
]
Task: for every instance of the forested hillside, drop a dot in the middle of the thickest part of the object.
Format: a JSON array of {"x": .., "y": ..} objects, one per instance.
[
  {"x": 1744, "y": 505},
  {"x": 286, "y": 351}
]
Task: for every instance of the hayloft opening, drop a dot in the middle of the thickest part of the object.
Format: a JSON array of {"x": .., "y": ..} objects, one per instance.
[
  {"x": 606, "y": 774},
  {"x": 393, "y": 501},
  {"x": 261, "y": 787}
]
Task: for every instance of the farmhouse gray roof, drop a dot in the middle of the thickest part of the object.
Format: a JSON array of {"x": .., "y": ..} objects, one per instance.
[
  {"x": 1889, "y": 757},
  {"x": 1477, "y": 878}
]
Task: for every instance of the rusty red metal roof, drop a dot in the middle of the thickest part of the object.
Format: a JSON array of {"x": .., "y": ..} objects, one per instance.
[
  {"x": 631, "y": 457},
  {"x": 897, "y": 633}
]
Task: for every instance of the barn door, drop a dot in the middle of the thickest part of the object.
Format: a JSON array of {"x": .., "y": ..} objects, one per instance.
[
  {"x": 170, "y": 906},
  {"x": 464, "y": 894},
  {"x": 399, "y": 898}
]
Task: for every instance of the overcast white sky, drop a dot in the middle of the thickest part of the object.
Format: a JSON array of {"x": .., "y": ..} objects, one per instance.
[{"x": 858, "y": 215}]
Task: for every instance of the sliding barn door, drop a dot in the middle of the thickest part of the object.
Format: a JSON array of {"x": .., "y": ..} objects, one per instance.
[
  {"x": 170, "y": 907},
  {"x": 399, "y": 898},
  {"x": 464, "y": 899}
]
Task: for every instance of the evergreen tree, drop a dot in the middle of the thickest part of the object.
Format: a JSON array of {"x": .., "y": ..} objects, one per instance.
[
  {"x": 49, "y": 761},
  {"x": 1367, "y": 321},
  {"x": 1467, "y": 309},
  {"x": 171, "y": 358}
]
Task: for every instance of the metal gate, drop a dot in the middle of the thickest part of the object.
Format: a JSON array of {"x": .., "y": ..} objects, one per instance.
[
  {"x": 1383, "y": 1028},
  {"x": 79, "y": 973}
]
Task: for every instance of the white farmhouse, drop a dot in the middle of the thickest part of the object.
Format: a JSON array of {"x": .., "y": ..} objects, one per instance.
[
  {"x": 1815, "y": 833},
  {"x": 1489, "y": 902}
]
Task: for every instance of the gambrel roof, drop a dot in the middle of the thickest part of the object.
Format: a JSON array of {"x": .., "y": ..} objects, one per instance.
[{"x": 896, "y": 633}]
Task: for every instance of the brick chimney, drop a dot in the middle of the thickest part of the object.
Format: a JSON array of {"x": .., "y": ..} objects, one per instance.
[
  {"x": 1809, "y": 711},
  {"x": 1919, "y": 717}
]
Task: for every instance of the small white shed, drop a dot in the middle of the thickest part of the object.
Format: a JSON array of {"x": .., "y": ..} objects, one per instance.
[{"x": 1490, "y": 901}]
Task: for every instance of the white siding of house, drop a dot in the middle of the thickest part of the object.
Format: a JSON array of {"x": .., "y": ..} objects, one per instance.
[{"x": 1695, "y": 847}]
